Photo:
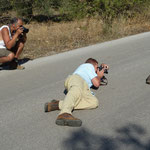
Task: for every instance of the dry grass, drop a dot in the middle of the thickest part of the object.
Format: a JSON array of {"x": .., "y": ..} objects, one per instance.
[{"x": 46, "y": 39}]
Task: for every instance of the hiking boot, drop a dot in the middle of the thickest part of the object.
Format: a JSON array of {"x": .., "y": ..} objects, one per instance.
[
  {"x": 66, "y": 119},
  {"x": 51, "y": 106},
  {"x": 14, "y": 65},
  {"x": 148, "y": 80}
]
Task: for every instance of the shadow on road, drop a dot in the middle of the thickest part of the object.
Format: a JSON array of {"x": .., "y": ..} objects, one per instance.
[
  {"x": 128, "y": 137},
  {"x": 5, "y": 66},
  {"x": 23, "y": 61}
]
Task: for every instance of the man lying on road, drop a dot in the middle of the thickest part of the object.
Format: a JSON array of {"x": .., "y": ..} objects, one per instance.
[{"x": 78, "y": 95}]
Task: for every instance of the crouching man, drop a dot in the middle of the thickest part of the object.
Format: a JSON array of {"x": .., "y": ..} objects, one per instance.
[
  {"x": 12, "y": 40},
  {"x": 79, "y": 95}
]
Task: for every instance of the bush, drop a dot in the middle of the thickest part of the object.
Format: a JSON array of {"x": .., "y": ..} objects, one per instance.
[
  {"x": 72, "y": 9},
  {"x": 4, "y": 6},
  {"x": 75, "y": 9},
  {"x": 23, "y": 7},
  {"x": 110, "y": 9}
]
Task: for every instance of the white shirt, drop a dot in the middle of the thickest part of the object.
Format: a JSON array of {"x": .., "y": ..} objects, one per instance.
[
  {"x": 87, "y": 72},
  {"x": 2, "y": 44}
]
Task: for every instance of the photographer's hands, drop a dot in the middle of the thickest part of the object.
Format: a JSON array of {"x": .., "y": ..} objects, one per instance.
[
  {"x": 19, "y": 31},
  {"x": 102, "y": 69},
  {"x": 20, "y": 35},
  {"x": 100, "y": 73}
]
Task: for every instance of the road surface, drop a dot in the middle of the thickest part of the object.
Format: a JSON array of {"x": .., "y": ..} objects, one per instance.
[{"x": 121, "y": 122}]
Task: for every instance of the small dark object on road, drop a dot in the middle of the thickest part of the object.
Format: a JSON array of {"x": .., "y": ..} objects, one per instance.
[{"x": 148, "y": 80}]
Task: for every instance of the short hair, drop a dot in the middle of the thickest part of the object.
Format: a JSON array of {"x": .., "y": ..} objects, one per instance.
[
  {"x": 91, "y": 61},
  {"x": 14, "y": 20}
]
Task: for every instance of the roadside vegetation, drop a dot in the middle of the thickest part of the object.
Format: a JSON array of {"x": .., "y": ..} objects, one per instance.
[{"x": 57, "y": 26}]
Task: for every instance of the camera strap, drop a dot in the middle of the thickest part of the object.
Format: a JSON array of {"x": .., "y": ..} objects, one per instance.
[{"x": 104, "y": 81}]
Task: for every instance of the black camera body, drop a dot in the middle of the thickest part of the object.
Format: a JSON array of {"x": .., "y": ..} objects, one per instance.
[
  {"x": 25, "y": 30},
  {"x": 104, "y": 80},
  {"x": 105, "y": 70}
]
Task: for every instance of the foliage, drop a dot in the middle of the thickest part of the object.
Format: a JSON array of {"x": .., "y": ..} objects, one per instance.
[
  {"x": 23, "y": 7},
  {"x": 75, "y": 9},
  {"x": 4, "y": 5},
  {"x": 110, "y": 9}
]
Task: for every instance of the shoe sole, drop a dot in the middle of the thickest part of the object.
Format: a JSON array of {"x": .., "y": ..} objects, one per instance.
[
  {"x": 148, "y": 81},
  {"x": 72, "y": 123}
]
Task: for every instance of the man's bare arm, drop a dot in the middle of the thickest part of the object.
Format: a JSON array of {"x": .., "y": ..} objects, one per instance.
[
  {"x": 10, "y": 42},
  {"x": 100, "y": 73},
  {"x": 97, "y": 80}
]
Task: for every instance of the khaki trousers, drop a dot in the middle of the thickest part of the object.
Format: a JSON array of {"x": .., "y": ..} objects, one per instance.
[{"x": 79, "y": 95}]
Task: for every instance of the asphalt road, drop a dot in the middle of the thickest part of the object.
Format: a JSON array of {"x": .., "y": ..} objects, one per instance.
[{"x": 121, "y": 122}]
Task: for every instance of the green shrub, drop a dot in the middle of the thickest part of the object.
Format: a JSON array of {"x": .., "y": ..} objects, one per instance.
[
  {"x": 110, "y": 9},
  {"x": 23, "y": 7},
  {"x": 76, "y": 9},
  {"x": 72, "y": 9},
  {"x": 4, "y": 6}
]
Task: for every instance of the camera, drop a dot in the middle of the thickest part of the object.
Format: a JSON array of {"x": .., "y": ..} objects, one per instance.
[
  {"x": 104, "y": 80},
  {"x": 105, "y": 70},
  {"x": 25, "y": 30}
]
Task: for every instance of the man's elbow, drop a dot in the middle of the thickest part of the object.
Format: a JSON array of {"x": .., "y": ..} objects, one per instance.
[
  {"x": 8, "y": 46},
  {"x": 97, "y": 84}
]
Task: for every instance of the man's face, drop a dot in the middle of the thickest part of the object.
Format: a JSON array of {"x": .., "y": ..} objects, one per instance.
[
  {"x": 96, "y": 67},
  {"x": 18, "y": 24}
]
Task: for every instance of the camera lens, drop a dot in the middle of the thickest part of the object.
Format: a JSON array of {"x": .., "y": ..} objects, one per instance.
[{"x": 25, "y": 30}]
